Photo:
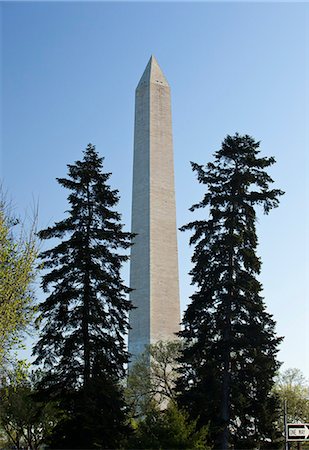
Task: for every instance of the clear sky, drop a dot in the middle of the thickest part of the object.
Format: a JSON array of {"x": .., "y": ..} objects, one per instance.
[{"x": 69, "y": 71}]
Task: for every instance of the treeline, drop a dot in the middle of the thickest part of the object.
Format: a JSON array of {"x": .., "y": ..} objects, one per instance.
[{"x": 212, "y": 388}]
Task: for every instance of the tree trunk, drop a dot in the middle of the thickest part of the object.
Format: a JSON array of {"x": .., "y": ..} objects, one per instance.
[
  {"x": 87, "y": 294},
  {"x": 226, "y": 379},
  {"x": 86, "y": 330},
  {"x": 226, "y": 387}
]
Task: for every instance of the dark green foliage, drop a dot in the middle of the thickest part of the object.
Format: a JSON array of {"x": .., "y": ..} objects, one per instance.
[
  {"x": 167, "y": 429},
  {"x": 84, "y": 317},
  {"x": 229, "y": 359},
  {"x": 93, "y": 418}
]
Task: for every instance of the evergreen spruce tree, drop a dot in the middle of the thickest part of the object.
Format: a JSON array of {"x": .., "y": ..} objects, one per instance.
[
  {"x": 229, "y": 359},
  {"x": 84, "y": 317}
]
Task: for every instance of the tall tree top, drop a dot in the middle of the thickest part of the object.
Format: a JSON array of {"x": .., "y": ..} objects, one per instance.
[
  {"x": 85, "y": 315},
  {"x": 238, "y": 172}
]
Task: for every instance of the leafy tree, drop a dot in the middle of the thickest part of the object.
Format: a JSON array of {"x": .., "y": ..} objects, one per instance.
[
  {"x": 157, "y": 421},
  {"x": 170, "y": 428},
  {"x": 229, "y": 357},
  {"x": 25, "y": 421},
  {"x": 152, "y": 377},
  {"x": 84, "y": 317},
  {"x": 292, "y": 387},
  {"x": 17, "y": 272}
]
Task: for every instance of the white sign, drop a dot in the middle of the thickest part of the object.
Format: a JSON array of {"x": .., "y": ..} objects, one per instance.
[{"x": 298, "y": 431}]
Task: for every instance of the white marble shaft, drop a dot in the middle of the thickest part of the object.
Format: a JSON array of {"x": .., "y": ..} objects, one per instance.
[{"x": 154, "y": 260}]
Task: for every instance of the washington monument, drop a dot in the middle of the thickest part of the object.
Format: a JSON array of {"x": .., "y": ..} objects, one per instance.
[{"x": 154, "y": 261}]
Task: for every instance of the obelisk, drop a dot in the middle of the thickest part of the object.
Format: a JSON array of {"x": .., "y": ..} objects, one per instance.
[{"x": 154, "y": 260}]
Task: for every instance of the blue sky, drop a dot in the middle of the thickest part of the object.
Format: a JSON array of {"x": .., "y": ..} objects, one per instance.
[{"x": 69, "y": 71}]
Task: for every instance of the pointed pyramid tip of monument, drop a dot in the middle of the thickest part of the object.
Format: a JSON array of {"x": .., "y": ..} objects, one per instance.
[
  {"x": 153, "y": 73},
  {"x": 153, "y": 58}
]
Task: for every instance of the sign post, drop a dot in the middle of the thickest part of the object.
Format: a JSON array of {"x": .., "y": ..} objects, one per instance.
[{"x": 297, "y": 432}]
